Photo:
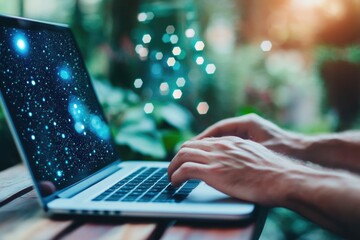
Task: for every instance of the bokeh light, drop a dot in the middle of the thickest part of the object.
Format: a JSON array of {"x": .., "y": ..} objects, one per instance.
[
  {"x": 266, "y": 46},
  {"x": 146, "y": 38},
  {"x": 203, "y": 108},
  {"x": 170, "y": 29},
  {"x": 138, "y": 83},
  {"x": 159, "y": 55},
  {"x": 199, "y": 46},
  {"x": 176, "y": 51},
  {"x": 210, "y": 68},
  {"x": 149, "y": 108},
  {"x": 177, "y": 94},
  {"x": 171, "y": 61},
  {"x": 180, "y": 82},
  {"x": 164, "y": 88},
  {"x": 200, "y": 60},
  {"x": 190, "y": 33},
  {"x": 142, "y": 17},
  {"x": 174, "y": 39}
]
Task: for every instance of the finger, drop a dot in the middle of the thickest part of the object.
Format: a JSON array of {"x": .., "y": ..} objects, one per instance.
[
  {"x": 213, "y": 144},
  {"x": 188, "y": 170},
  {"x": 203, "y": 144},
  {"x": 238, "y": 126},
  {"x": 187, "y": 154},
  {"x": 217, "y": 130}
]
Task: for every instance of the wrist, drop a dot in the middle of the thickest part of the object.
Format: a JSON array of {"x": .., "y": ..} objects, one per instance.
[
  {"x": 304, "y": 185},
  {"x": 285, "y": 181},
  {"x": 299, "y": 145},
  {"x": 331, "y": 150},
  {"x": 297, "y": 184},
  {"x": 295, "y": 189},
  {"x": 329, "y": 198}
]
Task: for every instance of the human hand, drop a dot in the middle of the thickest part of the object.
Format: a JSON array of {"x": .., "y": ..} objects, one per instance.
[
  {"x": 240, "y": 168},
  {"x": 257, "y": 129}
]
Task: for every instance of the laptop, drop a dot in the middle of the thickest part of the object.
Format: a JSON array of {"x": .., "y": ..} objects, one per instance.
[{"x": 65, "y": 141}]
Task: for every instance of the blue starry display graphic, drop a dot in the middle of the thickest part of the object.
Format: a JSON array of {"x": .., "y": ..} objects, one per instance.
[{"x": 53, "y": 107}]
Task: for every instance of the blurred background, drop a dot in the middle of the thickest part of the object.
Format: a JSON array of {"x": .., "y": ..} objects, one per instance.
[{"x": 164, "y": 70}]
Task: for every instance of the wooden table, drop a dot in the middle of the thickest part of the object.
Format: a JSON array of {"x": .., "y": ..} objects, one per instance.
[{"x": 22, "y": 218}]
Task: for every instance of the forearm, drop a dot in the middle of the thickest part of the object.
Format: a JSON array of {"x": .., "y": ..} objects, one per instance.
[
  {"x": 249, "y": 171},
  {"x": 329, "y": 198},
  {"x": 338, "y": 150}
]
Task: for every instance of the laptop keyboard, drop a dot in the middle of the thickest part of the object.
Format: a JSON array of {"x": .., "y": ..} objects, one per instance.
[{"x": 147, "y": 184}]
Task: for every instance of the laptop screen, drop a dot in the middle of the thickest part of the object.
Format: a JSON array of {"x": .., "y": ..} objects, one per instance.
[{"x": 52, "y": 105}]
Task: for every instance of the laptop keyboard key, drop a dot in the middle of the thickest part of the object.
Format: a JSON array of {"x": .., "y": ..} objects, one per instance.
[{"x": 147, "y": 185}]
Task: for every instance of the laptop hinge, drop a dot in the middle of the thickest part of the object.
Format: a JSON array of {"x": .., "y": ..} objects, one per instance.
[{"x": 88, "y": 182}]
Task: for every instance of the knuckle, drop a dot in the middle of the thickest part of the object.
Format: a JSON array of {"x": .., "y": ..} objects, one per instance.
[
  {"x": 233, "y": 139},
  {"x": 207, "y": 138},
  {"x": 220, "y": 124},
  {"x": 215, "y": 170},
  {"x": 253, "y": 116},
  {"x": 184, "y": 153},
  {"x": 186, "y": 144},
  {"x": 190, "y": 170},
  {"x": 187, "y": 167},
  {"x": 219, "y": 145}
]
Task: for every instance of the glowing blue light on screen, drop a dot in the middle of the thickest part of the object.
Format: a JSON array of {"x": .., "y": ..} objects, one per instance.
[
  {"x": 85, "y": 120},
  {"x": 99, "y": 127},
  {"x": 79, "y": 127},
  {"x": 64, "y": 74},
  {"x": 21, "y": 44},
  {"x": 59, "y": 173},
  {"x": 77, "y": 110}
]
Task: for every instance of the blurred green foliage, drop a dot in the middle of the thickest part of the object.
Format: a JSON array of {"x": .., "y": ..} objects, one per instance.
[
  {"x": 325, "y": 54},
  {"x": 155, "y": 136},
  {"x": 283, "y": 224},
  {"x": 285, "y": 85}
]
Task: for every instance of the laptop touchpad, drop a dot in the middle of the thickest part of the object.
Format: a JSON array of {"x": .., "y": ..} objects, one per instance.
[{"x": 204, "y": 193}]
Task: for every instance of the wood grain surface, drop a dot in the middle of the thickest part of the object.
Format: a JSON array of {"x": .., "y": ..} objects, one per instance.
[{"x": 22, "y": 218}]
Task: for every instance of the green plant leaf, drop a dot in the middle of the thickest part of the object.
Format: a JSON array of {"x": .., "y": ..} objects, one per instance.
[
  {"x": 176, "y": 116},
  {"x": 138, "y": 125},
  {"x": 140, "y": 134},
  {"x": 173, "y": 139},
  {"x": 149, "y": 145}
]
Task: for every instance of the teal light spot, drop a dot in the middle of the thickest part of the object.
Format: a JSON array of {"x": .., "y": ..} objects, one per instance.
[
  {"x": 21, "y": 44},
  {"x": 59, "y": 173},
  {"x": 64, "y": 74}
]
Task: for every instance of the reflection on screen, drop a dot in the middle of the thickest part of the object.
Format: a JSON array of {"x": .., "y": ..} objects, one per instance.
[{"x": 54, "y": 109}]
